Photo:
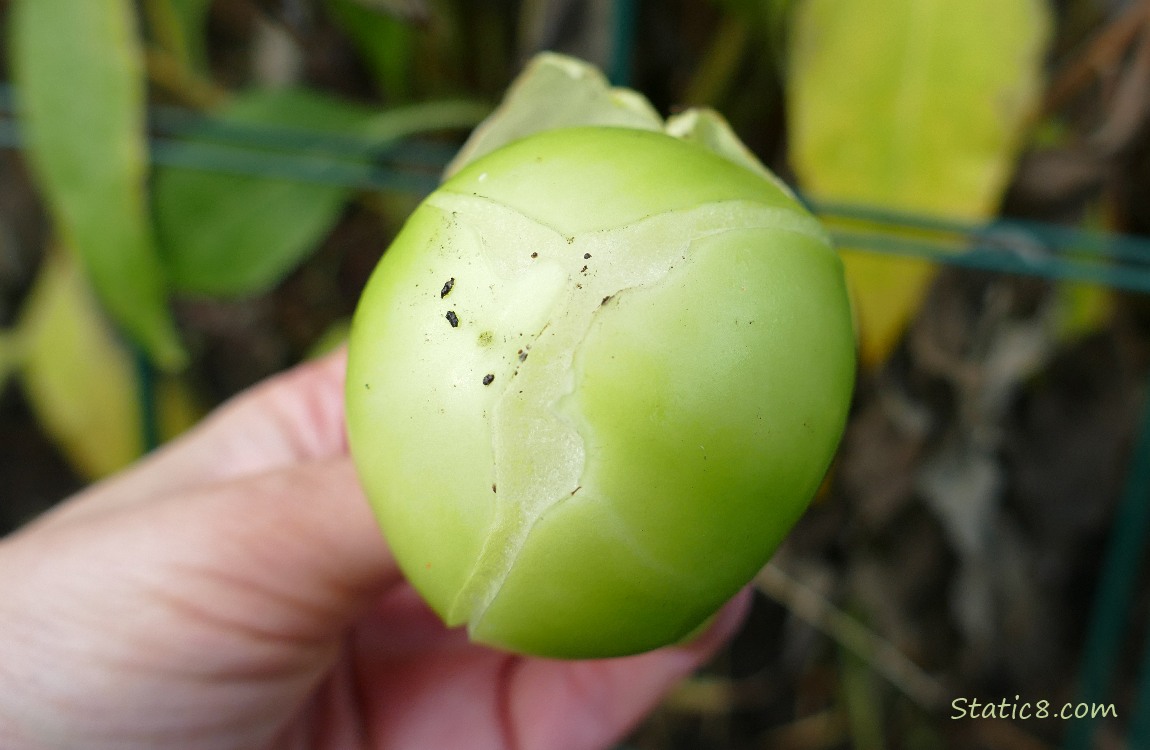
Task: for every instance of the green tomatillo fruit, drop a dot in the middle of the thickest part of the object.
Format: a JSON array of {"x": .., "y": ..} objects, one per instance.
[{"x": 594, "y": 381}]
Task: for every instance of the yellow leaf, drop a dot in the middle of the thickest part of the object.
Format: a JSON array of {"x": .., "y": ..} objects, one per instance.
[
  {"x": 177, "y": 408},
  {"x": 912, "y": 105},
  {"x": 81, "y": 381}
]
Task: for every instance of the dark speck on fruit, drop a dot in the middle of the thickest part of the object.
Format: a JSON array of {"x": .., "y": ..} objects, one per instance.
[
  {"x": 447, "y": 288},
  {"x": 522, "y": 355},
  {"x": 452, "y": 318},
  {"x": 586, "y": 256},
  {"x": 606, "y": 299},
  {"x": 534, "y": 255},
  {"x": 488, "y": 379}
]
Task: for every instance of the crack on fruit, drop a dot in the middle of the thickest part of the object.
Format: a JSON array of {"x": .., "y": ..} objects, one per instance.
[{"x": 539, "y": 452}]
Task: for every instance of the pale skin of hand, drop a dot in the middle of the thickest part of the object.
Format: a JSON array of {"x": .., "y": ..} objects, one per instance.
[{"x": 234, "y": 591}]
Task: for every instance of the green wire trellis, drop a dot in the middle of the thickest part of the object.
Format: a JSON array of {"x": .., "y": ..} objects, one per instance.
[{"x": 178, "y": 138}]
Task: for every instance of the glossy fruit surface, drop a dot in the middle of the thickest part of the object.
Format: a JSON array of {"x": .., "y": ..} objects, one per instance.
[{"x": 592, "y": 384}]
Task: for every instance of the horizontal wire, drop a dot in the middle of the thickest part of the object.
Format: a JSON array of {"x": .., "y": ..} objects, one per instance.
[
  {"x": 185, "y": 125},
  {"x": 1028, "y": 237},
  {"x": 313, "y": 168},
  {"x": 189, "y": 140},
  {"x": 999, "y": 260},
  {"x": 318, "y": 168}
]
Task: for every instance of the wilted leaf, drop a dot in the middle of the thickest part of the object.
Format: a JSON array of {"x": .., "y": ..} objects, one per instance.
[
  {"x": 916, "y": 105},
  {"x": 556, "y": 91},
  {"x": 81, "y": 96},
  {"x": 228, "y": 234},
  {"x": 708, "y": 129}
]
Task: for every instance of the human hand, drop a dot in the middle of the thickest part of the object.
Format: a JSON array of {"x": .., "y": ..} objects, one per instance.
[{"x": 233, "y": 591}]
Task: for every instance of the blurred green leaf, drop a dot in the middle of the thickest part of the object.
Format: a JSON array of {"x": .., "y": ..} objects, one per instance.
[
  {"x": 11, "y": 355},
  {"x": 395, "y": 123},
  {"x": 556, "y": 91},
  {"x": 915, "y": 105},
  {"x": 386, "y": 42},
  {"x": 861, "y": 692},
  {"x": 81, "y": 96},
  {"x": 333, "y": 338},
  {"x": 769, "y": 15},
  {"x": 226, "y": 234},
  {"x": 412, "y": 10},
  {"x": 715, "y": 73},
  {"x": 179, "y": 26}
]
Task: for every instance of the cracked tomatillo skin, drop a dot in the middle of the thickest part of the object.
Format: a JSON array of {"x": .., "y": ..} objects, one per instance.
[{"x": 591, "y": 385}]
